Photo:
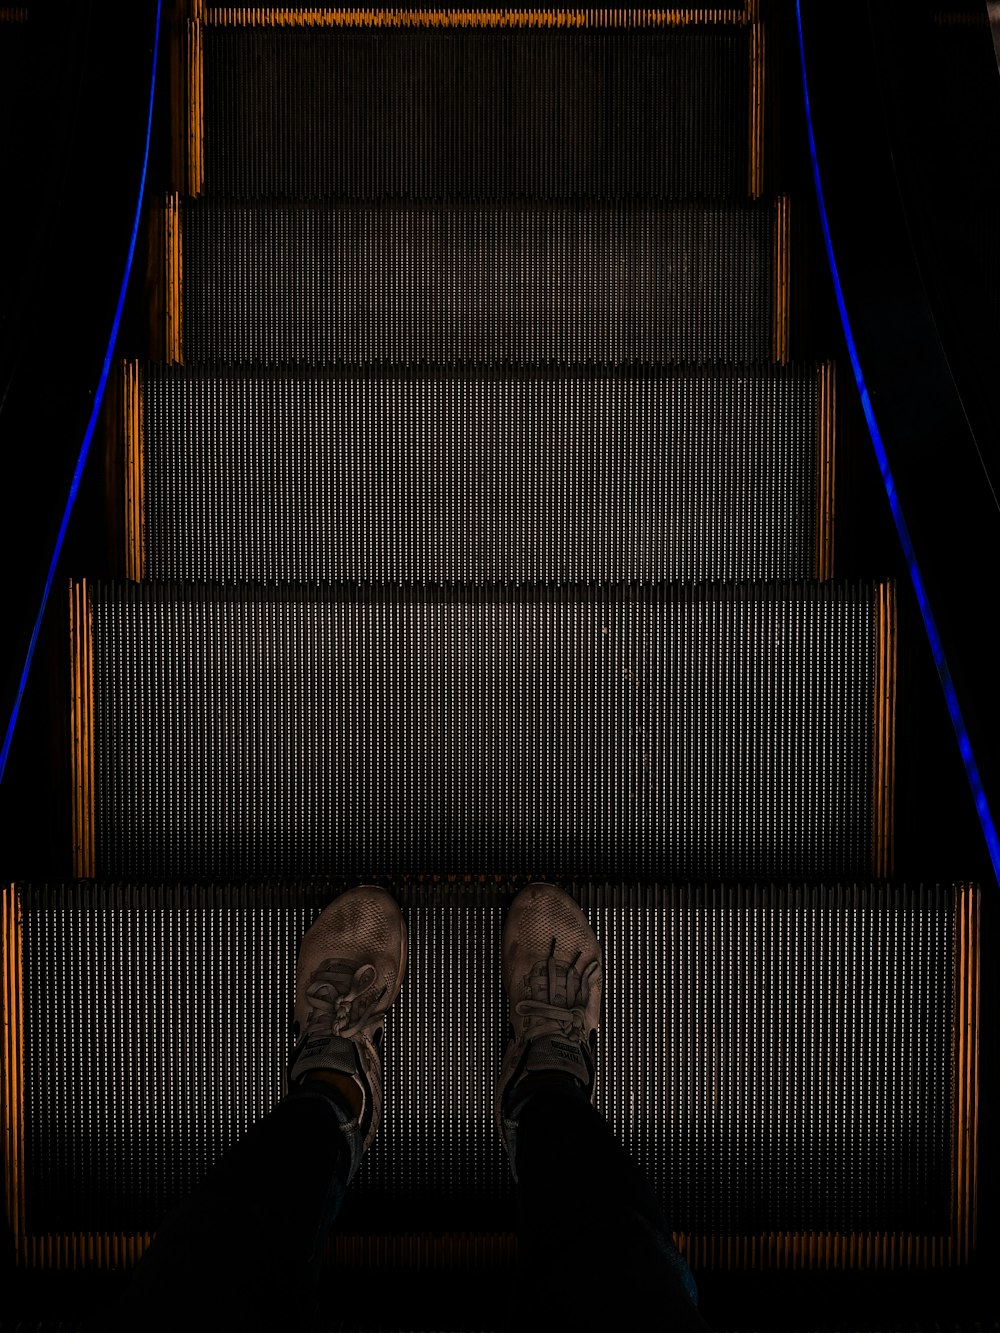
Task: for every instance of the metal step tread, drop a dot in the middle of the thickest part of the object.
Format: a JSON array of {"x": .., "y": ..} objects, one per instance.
[
  {"x": 793, "y": 1066},
  {"x": 437, "y": 112},
  {"x": 698, "y": 730},
  {"x": 479, "y": 475},
  {"x": 468, "y": 282}
]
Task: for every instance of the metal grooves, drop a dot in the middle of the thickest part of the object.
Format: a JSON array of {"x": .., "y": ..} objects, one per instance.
[
  {"x": 792, "y": 1018},
  {"x": 466, "y": 113},
  {"x": 181, "y": 988},
  {"x": 883, "y": 744},
  {"x": 133, "y": 429},
  {"x": 686, "y": 732},
  {"x": 781, "y": 285},
  {"x": 480, "y": 476},
  {"x": 81, "y": 728},
  {"x": 826, "y": 434},
  {"x": 457, "y": 283},
  {"x": 749, "y": 1032}
]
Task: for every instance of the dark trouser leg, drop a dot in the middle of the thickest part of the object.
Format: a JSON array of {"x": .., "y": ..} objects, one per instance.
[
  {"x": 244, "y": 1250},
  {"x": 595, "y": 1250}
]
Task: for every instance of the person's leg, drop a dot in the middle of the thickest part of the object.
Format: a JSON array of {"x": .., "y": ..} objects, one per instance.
[
  {"x": 244, "y": 1250},
  {"x": 584, "y": 1208}
]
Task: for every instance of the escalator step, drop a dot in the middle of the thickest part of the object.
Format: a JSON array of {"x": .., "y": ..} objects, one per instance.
[
  {"x": 792, "y": 1066},
  {"x": 679, "y": 731},
  {"x": 512, "y": 282},
  {"x": 476, "y": 112},
  {"x": 483, "y": 476}
]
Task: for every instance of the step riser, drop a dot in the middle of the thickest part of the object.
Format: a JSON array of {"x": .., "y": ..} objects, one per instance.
[
  {"x": 461, "y": 113},
  {"x": 470, "y": 284},
  {"x": 747, "y": 1036},
  {"x": 701, "y": 733},
  {"x": 485, "y": 477}
]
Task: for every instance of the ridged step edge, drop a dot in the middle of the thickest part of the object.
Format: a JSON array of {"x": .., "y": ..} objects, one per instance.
[{"x": 320, "y": 16}]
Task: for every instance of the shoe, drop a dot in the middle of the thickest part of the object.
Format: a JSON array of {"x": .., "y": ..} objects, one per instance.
[
  {"x": 350, "y": 970},
  {"x": 553, "y": 976}
]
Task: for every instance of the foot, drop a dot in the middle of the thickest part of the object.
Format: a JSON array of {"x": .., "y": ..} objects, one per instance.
[
  {"x": 350, "y": 969},
  {"x": 552, "y": 972}
]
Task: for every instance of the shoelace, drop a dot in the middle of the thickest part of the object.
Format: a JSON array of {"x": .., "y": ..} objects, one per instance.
[
  {"x": 547, "y": 1014},
  {"x": 331, "y": 993}
]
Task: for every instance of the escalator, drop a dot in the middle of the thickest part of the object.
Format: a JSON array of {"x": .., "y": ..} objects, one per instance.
[{"x": 477, "y": 506}]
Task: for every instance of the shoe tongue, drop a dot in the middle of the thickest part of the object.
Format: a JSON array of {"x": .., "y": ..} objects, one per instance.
[
  {"x": 326, "y": 1052},
  {"x": 557, "y": 1054}
]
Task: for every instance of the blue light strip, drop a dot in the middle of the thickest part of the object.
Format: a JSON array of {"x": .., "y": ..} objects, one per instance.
[
  {"x": 964, "y": 745},
  {"x": 89, "y": 434}
]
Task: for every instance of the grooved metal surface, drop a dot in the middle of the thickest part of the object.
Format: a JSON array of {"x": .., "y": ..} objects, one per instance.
[
  {"x": 672, "y": 731},
  {"x": 480, "y": 476},
  {"x": 426, "y": 113},
  {"x": 513, "y": 282},
  {"x": 774, "y": 1058}
]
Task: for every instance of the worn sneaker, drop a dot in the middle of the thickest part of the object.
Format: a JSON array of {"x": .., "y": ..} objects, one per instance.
[
  {"x": 552, "y": 972},
  {"x": 350, "y": 969}
]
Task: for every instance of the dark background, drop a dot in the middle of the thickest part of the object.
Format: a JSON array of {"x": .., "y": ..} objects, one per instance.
[{"x": 74, "y": 95}]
